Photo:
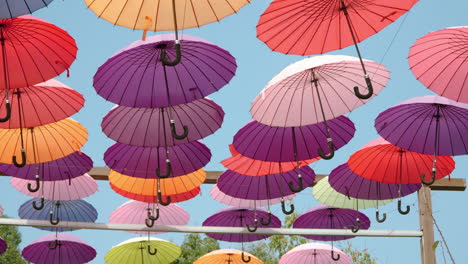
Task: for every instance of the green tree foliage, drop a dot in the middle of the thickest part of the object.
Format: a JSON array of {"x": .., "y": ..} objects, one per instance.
[
  {"x": 13, "y": 238},
  {"x": 194, "y": 246},
  {"x": 359, "y": 256}
]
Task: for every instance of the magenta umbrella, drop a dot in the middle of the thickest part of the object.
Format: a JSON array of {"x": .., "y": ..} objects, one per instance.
[
  {"x": 315, "y": 253},
  {"x": 221, "y": 197},
  {"x": 151, "y": 127},
  {"x": 439, "y": 61},
  {"x": 3, "y": 246},
  {"x": 57, "y": 249},
  {"x": 134, "y": 212}
]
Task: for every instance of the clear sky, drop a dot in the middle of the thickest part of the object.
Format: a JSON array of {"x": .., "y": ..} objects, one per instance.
[{"x": 97, "y": 40}]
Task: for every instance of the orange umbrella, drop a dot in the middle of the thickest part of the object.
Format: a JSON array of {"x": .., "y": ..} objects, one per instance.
[
  {"x": 45, "y": 143},
  {"x": 228, "y": 256},
  {"x": 175, "y": 198}
]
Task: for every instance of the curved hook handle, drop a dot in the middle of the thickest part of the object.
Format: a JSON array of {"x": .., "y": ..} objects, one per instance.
[
  {"x": 23, "y": 161},
  {"x": 268, "y": 221},
  {"x": 52, "y": 220},
  {"x": 401, "y": 211},
  {"x": 245, "y": 260},
  {"x": 253, "y": 229},
  {"x": 41, "y": 205},
  {"x": 357, "y": 226},
  {"x": 433, "y": 177},
  {"x": 301, "y": 185},
  {"x": 335, "y": 258},
  {"x": 168, "y": 170},
  {"x": 331, "y": 149},
  {"x": 55, "y": 245},
  {"x": 160, "y": 200},
  {"x": 176, "y": 60},
  {"x": 151, "y": 251},
  {"x": 149, "y": 222},
  {"x": 370, "y": 89},
  {"x": 151, "y": 219},
  {"x": 8, "y": 112},
  {"x": 174, "y": 132},
  {"x": 283, "y": 207},
  {"x": 35, "y": 189},
  {"x": 377, "y": 217}
]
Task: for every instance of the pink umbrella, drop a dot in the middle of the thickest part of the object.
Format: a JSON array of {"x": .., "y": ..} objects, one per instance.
[
  {"x": 134, "y": 212},
  {"x": 439, "y": 60},
  {"x": 315, "y": 253},
  {"x": 64, "y": 190},
  {"x": 221, "y": 197}
]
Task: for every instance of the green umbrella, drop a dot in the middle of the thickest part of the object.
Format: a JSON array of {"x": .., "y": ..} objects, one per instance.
[
  {"x": 143, "y": 250},
  {"x": 324, "y": 193}
]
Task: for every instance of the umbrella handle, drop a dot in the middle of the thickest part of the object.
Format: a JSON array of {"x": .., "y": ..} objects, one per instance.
[
  {"x": 35, "y": 189},
  {"x": 177, "y": 58},
  {"x": 369, "y": 87},
  {"x": 335, "y": 258},
  {"x": 245, "y": 260},
  {"x": 301, "y": 185},
  {"x": 152, "y": 252},
  {"x": 252, "y": 230},
  {"x": 433, "y": 177},
  {"x": 174, "y": 132},
  {"x": 34, "y": 204},
  {"x": 331, "y": 148},
  {"x": 8, "y": 112},
  {"x": 52, "y": 220},
  {"x": 268, "y": 221},
  {"x": 160, "y": 200},
  {"x": 151, "y": 219},
  {"x": 55, "y": 245},
  {"x": 401, "y": 211},
  {"x": 23, "y": 161},
  {"x": 283, "y": 207},
  {"x": 377, "y": 217},
  {"x": 168, "y": 170},
  {"x": 357, "y": 226}
]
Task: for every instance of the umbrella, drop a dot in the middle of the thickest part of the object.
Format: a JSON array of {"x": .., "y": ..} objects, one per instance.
[
  {"x": 133, "y": 77},
  {"x": 221, "y": 197},
  {"x": 138, "y": 250},
  {"x": 3, "y": 246},
  {"x": 345, "y": 181},
  {"x": 27, "y": 42},
  {"x": 283, "y": 144},
  {"x": 151, "y": 162},
  {"x": 327, "y": 217},
  {"x": 314, "y": 26},
  {"x": 439, "y": 61},
  {"x": 73, "y": 189},
  {"x": 59, "y": 248},
  {"x": 430, "y": 125},
  {"x": 228, "y": 256},
  {"x": 315, "y": 253},
  {"x": 133, "y": 212},
  {"x": 56, "y": 211},
  {"x": 175, "y": 198},
  {"x": 251, "y": 167},
  {"x": 15, "y": 8},
  {"x": 1, "y": 210},
  {"x": 143, "y": 126}
]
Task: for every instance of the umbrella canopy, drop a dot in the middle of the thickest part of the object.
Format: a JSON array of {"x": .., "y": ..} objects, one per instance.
[
  {"x": 283, "y": 144},
  {"x": 175, "y": 198},
  {"x": 439, "y": 61},
  {"x": 55, "y": 211},
  {"x": 327, "y": 217},
  {"x": 15, "y": 8},
  {"x": 73, "y": 189},
  {"x": 314, "y": 253},
  {"x": 345, "y": 181},
  {"x": 3, "y": 246},
  {"x": 314, "y": 89},
  {"x": 227, "y": 256},
  {"x": 69, "y": 249},
  {"x": 239, "y": 217},
  {"x": 146, "y": 127},
  {"x": 142, "y": 162},
  {"x": 132, "y": 14},
  {"x": 41, "y": 104},
  {"x": 133, "y": 77},
  {"x": 51, "y": 141},
  {"x": 251, "y": 167},
  {"x": 263, "y": 187},
  {"x": 133, "y": 212},
  {"x": 428, "y": 124},
  {"x": 325, "y": 194},
  {"x": 135, "y": 251},
  {"x": 221, "y": 197},
  {"x": 66, "y": 168}
]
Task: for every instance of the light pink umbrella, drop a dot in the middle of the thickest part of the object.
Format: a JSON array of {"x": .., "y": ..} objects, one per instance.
[
  {"x": 134, "y": 212},
  {"x": 315, "y": 253},
  {"x": 1, "y": 210},
  {"x": 65, "y": 190},
  {"x": 221, "y": 197},
  {"x": 439, "y": 60}
]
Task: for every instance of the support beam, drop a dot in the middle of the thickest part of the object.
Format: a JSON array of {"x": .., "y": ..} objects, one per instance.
[
  {"x": 427, "y": 228},
  {"x": 213, "y": 229}
]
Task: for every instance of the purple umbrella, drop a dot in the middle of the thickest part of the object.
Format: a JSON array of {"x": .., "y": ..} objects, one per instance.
[
  {"x": 59, "y": 248},
  {"x": 3, "y": 246},
  {"x": 144, "y": 127},
  {"x": 282, "y": 144},
  {"x": 430, "y": 125},
  {"x": 136, "y": 77},
  {"x": 143, "y": 162},
  {"x": 327, "y": 217}
]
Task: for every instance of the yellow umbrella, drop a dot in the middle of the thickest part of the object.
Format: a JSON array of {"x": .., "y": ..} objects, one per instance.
[{"x": 227, "y": 256}]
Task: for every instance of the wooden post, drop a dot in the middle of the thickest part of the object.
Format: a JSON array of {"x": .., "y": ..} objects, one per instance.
[{"x": 426, "y": 222}]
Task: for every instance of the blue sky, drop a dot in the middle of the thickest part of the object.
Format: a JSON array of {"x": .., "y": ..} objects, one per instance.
[{"x": 97, "y": 40}]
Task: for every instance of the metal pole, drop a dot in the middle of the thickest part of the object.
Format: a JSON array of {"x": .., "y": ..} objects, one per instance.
[
  {"x": 427, "y": 228},
  {"x": 212, "y": 229}
]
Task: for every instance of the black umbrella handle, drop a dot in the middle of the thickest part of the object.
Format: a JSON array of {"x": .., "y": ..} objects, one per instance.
[
  {"x": 23, "y": 161},
  {"x": 244, "y": 259},
  {"x": 254, "y": 228},
  {"x": 335, "y": 258},
  {"x": 301, "y": 185},
  {"x": 432, "y": 180},
  {"x": 177, "y": 58},
  {"x": 38, "y": 185},
  {"x": 40, "y": 206},
  {"x": 8, "y": 112},
  {"x": 370, "y": 90},
  {"x": 357, "y": 226},
  {"x": 283, "y": 208},
  {"x": 331, "y": 148},
  {"x": 168, "y": 170},
  {"x": 174, "y": 131},
  {"x": 160, "y": 199},
  {"x": 401, "y": 211},
  {"x": 152, "y": 252},
  {"x": 265, "y": 223},
  {"x": 377, "y": 217}
]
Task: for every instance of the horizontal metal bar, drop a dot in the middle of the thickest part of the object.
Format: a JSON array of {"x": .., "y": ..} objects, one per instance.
[{"x": 213, "y": 229}]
